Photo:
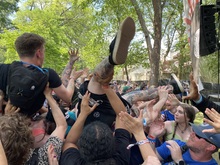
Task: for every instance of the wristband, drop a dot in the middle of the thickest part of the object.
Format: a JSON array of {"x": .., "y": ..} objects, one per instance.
[
  {"x": 138, "y": 143},
  {"x": 144, "y": 122},
  {"x": 151, "y": 139},
  {"x": 198, "y": 101}
]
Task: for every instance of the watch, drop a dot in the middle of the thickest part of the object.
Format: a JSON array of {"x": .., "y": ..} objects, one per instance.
[{"x": 181, "y": 162}]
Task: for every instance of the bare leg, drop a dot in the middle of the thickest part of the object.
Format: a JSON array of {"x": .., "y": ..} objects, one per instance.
[{"x": 104, "y": 72}]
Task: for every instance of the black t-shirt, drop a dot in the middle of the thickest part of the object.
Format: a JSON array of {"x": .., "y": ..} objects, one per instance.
[
  {"x": 54, "y": 79},
  {"x": 104, "y": 111},
  {"x": 122, "y": 154},
  {"x": 4, "y": 68}
]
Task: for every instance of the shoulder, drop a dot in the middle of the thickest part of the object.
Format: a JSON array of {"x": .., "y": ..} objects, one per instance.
[
  {"x": 55, "y": 141},
  {"x": 72, "y": 156},
  {"x": 52, "y": 72},
  {"x": 169, "y": 123},
  {"x": 54, "y": 78}
]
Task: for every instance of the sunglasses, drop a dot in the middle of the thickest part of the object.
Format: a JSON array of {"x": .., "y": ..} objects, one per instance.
[{"x": 199, "y": 137}]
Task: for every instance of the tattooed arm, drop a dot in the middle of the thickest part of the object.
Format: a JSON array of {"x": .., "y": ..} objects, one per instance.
[
  {"x": 66, "y": 72},
  {"x": 143, "y": 95}
]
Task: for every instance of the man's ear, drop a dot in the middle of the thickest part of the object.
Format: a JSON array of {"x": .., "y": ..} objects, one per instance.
[
  {"x": 211, "y": 147},
  {"x": 38, "y": 53}
]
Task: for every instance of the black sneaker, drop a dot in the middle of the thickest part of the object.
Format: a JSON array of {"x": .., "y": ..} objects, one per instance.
[
  {"x": 177, "y": 86},
  {"x": 119, "y": 46}
]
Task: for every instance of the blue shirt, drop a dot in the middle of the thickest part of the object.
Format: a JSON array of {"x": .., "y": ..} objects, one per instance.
[
  {"x": 164, "y": 152},
  {"x": 167, "y": 115}
]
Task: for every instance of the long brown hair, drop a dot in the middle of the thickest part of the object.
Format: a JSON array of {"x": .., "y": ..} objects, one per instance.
[{"x": 188, "y": 112}]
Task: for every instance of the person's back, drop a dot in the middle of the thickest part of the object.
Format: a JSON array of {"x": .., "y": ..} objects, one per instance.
[{"x": 31, "y": 50}]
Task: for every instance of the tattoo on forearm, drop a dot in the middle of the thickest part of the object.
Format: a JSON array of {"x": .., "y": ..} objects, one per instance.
[{"x": 66, "y": 73}]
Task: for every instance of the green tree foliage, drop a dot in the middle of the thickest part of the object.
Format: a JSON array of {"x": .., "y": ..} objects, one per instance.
[
  {"x": 61, "y": 23},
  {"x": 7, "y": 8},
  {"x": 90, "y": 25}
]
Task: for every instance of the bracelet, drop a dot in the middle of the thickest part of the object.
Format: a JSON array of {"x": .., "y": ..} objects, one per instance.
[
  {"x": 198, "y": 101},
  {"x": 138, "y": 143},
  {"x": 151, "y": 139}
]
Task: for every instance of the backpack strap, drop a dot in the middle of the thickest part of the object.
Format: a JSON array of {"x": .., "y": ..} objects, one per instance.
[{"x": 39, "y": 68}]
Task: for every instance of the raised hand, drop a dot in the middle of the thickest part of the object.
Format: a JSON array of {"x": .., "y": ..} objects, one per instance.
[
  {"x": 163, "y": 92},
  {"x": 132, "y": 124},
  {"x": 76, "y": 74},
  {"x": 173, "y": 100},
  {"x": 149, "y": 113},
  {"x": 9, "y": 109},
  {"x": 193, "y": 90},
  {"x": 85, "y": 73},
  {"x": 47, "y": 90},
  {"x": 85, "y": 108},
  {"x": 73, "y": 53},
  {"x": 215, "y": 120},
  {"x": 157, "y": 128}
]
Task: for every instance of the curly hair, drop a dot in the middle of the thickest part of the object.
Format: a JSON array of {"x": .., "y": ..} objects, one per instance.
[
  {"x": 16, "y": 137},
  {"x": 96, "y": 143},
  {"x": 27, "y": 44}
]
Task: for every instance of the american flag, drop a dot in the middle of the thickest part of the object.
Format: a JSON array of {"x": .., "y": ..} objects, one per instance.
[
  {"x": 189, "y": 8},
  {"x": 192, "y": 20}
]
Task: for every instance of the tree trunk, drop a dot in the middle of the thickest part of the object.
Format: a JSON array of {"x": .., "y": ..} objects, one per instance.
[
  {"x": 154, "y": 52},
  {"x": 126, "y": 73}
]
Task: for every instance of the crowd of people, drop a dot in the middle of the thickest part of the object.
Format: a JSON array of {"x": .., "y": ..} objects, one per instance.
[{"x": 91, "y": 119}]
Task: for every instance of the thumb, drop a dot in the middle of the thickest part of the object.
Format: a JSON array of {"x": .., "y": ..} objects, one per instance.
[{"x": 209, "y": 130}]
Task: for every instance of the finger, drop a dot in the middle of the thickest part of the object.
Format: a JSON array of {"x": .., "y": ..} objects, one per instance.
[
  {"x": 186, "y": 97},
  {"x": 210, "y": 130},
  {"x": 126, "y": 117},
  {"x": 17, "y": 110},
  {"x": 213, "y": 111},
  {"x": 140, "y": 114},
  {"x": 208, "y": 121},
  {"x": 210, "y": 114},
  {"x": 151, "y": 103},
  {"x": 169, "y": 147}
]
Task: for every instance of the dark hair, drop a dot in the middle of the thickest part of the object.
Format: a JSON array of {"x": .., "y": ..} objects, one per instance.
[
  {"x": 96, "y": 143},
  {"x": 16, "y": 137},
  {"x": 189, "y": 112},
  {"x": 27, "y": 44}
]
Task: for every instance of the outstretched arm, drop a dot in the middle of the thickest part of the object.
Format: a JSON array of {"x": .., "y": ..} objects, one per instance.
[
  {"x": 77, "y": 127},
  {"x": 3, "y": 159},
  {"x": 73, "y": 54},
  {"x": 114, "y": 100},
  {"x": 135, "y": 126},
  {"x": 66, "y": 94},
  {"x": 58, "y": 116},
  {"x": 198, "y": 100}
]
